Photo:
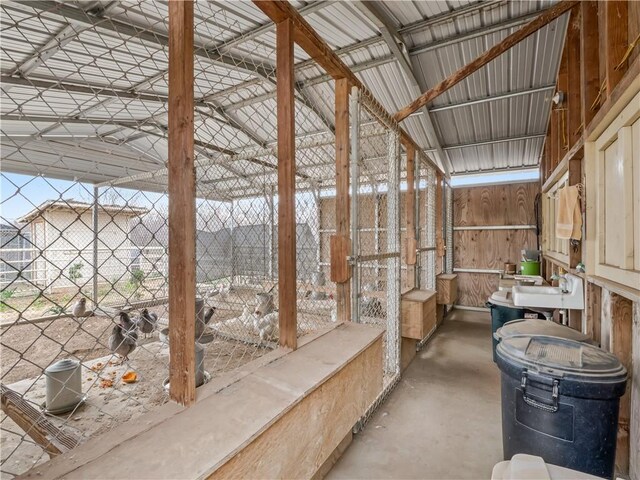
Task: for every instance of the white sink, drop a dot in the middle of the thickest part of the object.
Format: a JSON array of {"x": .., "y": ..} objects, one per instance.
[{"x": 551, "y": 297}]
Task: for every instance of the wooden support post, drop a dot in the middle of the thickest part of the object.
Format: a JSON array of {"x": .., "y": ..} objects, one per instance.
[
  {"x": 562, "y": 131},
  {"x": 182, "y": 243},
  {"x": 573, "y": 88},
  {"x": 594, "y": 311},
  {"x": 589, "y": 60},
  {"x": 410, "y": 214},
  {"x": 440, "y": 247},
  {"x": 341, "y": 242},
  {"x": 621, "y": 344},
  {"x": 615, "y": 35},
  {"x": 287, "y": 275}
]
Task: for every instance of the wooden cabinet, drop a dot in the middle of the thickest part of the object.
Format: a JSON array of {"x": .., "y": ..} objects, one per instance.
[
  {"x": 418, "y": 313},
  {"x": 447, "y": 288}
]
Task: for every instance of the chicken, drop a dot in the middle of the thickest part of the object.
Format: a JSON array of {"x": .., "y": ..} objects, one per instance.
[
  {"x": 264, "y": 304},
  {"x": 80, "y": 308},
  {"x": 121, "y": 342},
  {"x": 129, "y": 325},
  {"x": 147, "y": 322},
  {"x": 266, "y": 326},
  {"x": 221, "y": 291},
  {"x": 247, "y": 317}
]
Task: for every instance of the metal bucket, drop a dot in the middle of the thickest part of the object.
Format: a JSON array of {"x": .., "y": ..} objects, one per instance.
[{"x": 63, "y": 386}]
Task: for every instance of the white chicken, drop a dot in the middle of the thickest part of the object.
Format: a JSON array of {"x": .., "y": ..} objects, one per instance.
[
  {"x": 247, "y": 317},
  {"x": 267, "y": 326}
]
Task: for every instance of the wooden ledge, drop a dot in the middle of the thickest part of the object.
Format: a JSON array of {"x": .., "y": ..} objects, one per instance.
[{"x": 231, "y": 413}]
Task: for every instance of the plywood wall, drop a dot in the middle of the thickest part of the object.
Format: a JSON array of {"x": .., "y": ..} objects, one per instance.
[{"x": 498, "y": 205}]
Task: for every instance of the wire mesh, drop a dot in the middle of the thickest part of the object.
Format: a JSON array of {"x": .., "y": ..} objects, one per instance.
[
  {"x": 85, "y": 207},
  {"x": 377, "y": 269}
]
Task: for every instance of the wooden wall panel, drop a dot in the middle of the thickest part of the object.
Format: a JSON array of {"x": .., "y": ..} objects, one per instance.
[
  {"x": 495, "y": 205},
  {"x": 490, "y": 248},
  {"x": 474, "y": 289}
]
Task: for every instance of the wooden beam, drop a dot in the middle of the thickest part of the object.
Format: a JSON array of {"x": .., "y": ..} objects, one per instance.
[
  {"x": 321, "y": 53},
  {"x": 621, "y": 343},
  {"x": 615, "y": 36},
  {"x": 589, "y": 60},
  {"x": 574, "y": 105},
  {"x": 494, "y": 52},
  {"x": 575, "y": 177},
  {"x": 181, "y": 183},
  {"x": 340, "y": 244},
  {"x": 286, "y": 186},
  {"x": 594, "y": 311},
  {"x": 561, "y": 110}
]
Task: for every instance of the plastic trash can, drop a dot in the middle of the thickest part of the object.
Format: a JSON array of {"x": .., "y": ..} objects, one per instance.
[
  {"x": 560, "y": 401},
  {"x": 502, "y": 311},
  {"x": 539, "y": 327},
  {"x": 530, "y": 467}
]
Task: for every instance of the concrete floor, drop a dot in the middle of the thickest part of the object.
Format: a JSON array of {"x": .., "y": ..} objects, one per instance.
[{"x": 443, "y": 419}]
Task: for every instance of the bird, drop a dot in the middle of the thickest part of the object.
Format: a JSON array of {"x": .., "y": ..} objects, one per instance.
[
  {"x": 264, "y": 304},
  {"x": 247, "y": 317},
  {"x": 147, "y": 322},
  {"x": 80, "y": 308},
  {"x": 122, "y": 341},
  {"x": 266, "y": 326}
]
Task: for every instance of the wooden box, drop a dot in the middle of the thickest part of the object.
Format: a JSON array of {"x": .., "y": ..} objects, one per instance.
[
  {"x": 418, "y": 313},
  {"x": 447, "y": 288},
  {"x": 407, "y": 352}
]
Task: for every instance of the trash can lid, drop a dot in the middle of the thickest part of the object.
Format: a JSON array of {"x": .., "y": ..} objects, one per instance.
[
  {"x": 561, "y": 357},
  {"x": 539, "y": 327},
  {"x": 502, "y": 298}
]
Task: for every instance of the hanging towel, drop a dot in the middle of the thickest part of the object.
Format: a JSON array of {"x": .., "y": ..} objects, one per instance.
[{"x": 569, "y": 217}]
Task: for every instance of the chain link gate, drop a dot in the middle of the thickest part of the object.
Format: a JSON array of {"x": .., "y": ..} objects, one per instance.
[{"x": 375, "y": 230}]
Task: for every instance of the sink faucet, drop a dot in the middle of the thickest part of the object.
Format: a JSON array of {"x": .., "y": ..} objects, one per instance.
[{"x": 562, "y": 282}]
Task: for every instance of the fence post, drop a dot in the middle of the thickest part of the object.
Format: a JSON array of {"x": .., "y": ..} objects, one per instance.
[
  {"x": 95, "y": 247},
  {"x": 181, "y": 176},
  {"x": 354, "y": 114},
  {"x": 393, "y": 246}
]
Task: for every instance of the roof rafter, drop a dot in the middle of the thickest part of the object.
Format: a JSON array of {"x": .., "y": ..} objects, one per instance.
[{"x": 395, "y": 42}]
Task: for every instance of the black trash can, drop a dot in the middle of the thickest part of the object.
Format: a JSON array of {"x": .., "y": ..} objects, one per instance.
[
  {"x": 502, "y": 311},
  {"x": 547, "y": 328},
  {"x": 560, "y": 401}
]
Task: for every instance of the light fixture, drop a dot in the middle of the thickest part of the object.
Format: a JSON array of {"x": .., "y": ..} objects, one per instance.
[{"x": 558, "y": 98}]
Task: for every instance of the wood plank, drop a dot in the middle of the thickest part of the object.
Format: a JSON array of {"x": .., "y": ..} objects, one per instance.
[
  {"x": 342, "y": 202},
  {"x": 594, "y": 311},
  {"x": 340, "y": 269},
  {"x": 490, "y": 249},
  {"x": 474, "y": 288},
  {"x": 634, "y": 428},
  {"x": 299, "y": 443},
  {"x": 181, "y": 185},
  {"x": 530, "y": 28},
  {"x": 574, "y": 104},
  {"x": 286, "y": 186},
  {"x": 621, "y": 344},
  {"x": 589, "y": 60},
  {"x": 495, "y": 205},
  {"x": 562, "y": 132},
  {"x": 615, "y": 30}
]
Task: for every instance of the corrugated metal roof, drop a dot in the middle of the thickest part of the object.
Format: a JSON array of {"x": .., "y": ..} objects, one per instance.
[{"x": 234, "y": 78}]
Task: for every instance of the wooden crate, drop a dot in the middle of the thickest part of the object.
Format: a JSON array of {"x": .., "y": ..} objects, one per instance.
[
  {"x": 418, "y": 313},
  {"x": 447, "y": 288}
]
